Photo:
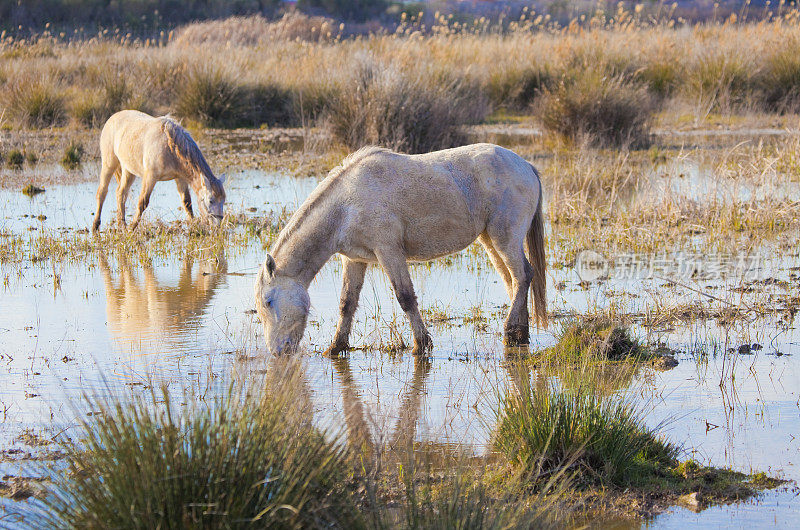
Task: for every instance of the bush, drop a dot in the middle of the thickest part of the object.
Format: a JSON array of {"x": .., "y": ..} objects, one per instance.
[
  {"x": 601, "y": 110},
  {"x": 414, "y": 111},
  {"x": 605, "y": 437},
  {"x": 36, "y": 103},
  {"x": 249, "y": 457}
]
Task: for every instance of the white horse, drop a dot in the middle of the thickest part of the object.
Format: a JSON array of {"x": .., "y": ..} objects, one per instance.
[
  {"x": 381, "y": 207},
  {"x": 156, "y": 149}
]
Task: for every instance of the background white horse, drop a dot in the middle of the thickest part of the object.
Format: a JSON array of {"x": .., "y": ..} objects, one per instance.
[
  {"x": 381, "y": 207},
  {"x": 155, "y": 149}
]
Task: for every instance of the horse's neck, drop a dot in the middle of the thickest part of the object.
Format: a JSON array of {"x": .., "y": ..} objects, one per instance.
[{"x": 307, "y": 247}]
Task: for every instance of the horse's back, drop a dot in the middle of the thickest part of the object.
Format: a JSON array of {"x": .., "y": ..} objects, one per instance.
[
  {"x": 133, "y": 137},
  {"x": 438, "y": 203}
]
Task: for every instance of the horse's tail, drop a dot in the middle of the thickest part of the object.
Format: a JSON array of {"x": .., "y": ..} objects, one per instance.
[
  {"x": 183, "y": 146},
  {"x": 535, "y": 250}
]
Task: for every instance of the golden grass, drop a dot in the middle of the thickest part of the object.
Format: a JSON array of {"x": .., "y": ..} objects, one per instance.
[{"x": 710, "y": 67}]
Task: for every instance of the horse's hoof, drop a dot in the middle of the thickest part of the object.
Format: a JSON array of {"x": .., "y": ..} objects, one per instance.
[
  {"x": 516, "y": 335},
  {"x": 422, "y": 347},
  {"x": 335, "y": 350}
]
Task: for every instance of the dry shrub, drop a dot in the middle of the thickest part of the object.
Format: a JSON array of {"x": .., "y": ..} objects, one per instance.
[
  {"x": 597, "y": 108},
  {"x": 256, "y": 30},
  {"x": 35, "y": 102},
  {"x": 411, "y": 111}
]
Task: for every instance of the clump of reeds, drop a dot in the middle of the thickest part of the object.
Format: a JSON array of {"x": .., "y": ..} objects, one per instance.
[
  {"x": 598, "y": 108},
  {"x": 413, "y": 111},
  {"x": 93, "y": 108},
  {"x": 603, "y": 437},
  {"x": 35, "y": 103},
  {"x": 209, "y": 95},
  {"x": 245, "y": 458},
  {"x": 779, "y": 78}
]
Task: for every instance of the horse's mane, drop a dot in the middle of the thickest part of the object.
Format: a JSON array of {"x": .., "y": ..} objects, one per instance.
[
  {"x": 324, "y": 188},
  {"x": 184, "y": 147}
]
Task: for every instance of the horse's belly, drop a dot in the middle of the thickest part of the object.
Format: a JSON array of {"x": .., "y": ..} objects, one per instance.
[{"x": 423, "y": 243}]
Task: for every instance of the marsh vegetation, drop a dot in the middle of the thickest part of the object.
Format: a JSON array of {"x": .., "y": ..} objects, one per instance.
[{"x": 668, "y": 150}]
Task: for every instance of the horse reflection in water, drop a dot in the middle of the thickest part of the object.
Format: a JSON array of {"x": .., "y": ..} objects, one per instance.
[
  {"x": 141, "y": 308},
  {"x": 361, "y": 427}
]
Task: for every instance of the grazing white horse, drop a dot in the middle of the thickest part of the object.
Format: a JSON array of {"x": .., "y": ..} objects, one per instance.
[
  {"x": 381, "y": 207},
  {"x": 155, "y": 149}
]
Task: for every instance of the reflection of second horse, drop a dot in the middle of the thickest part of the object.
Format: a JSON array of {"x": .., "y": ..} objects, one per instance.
[
  {"x": 358, "y": 428},
  {"x": 137, "y": 308}
]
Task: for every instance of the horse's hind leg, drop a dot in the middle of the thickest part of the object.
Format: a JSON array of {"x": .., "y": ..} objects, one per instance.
[
  {"x": 125, "y": 183},
  {"x": 497, "y": 261},
  {"x": 107, "y": 170},
  {"x": 186, "y": 197},
  {"x": 516, "y": 326},
  {"x": 352, "y": 281},
  {"x": 395, "y": 266}
]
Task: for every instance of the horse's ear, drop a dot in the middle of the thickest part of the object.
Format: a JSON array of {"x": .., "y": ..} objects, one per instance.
[
  {"x": 223, "y": 178},
  {"x": 269, "y": 266}
]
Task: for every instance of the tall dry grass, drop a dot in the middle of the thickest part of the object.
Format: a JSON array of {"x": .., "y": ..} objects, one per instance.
[{"x": 708, "y": 68}]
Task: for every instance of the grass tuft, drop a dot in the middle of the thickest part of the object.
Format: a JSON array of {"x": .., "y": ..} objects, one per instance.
[
  {"x": 73, "y": 156},
  {"x": 15, "y": 159},
  {"x": 603, "y": 437},
  {"x": 597, "y": 337},
  {"x": 241, "y": 459},
  {"x": 30, "y": 190},
  {"x": 36, "y": 103},
  {"x": 602, "y": 110}
]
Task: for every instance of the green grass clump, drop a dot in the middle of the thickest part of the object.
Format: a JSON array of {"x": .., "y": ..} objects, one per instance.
[
  {"x": 600, "y": 109},
  {"x": 209, "y": 95},
  {"x": 411, "y": 111},
  {"x": 15, "y": 159},
  {"x": 30, "y": 190},
  {"x": 248, "y": 458},
  {"x": 603, "y": 437},
  {"x": 73, "y": 156},
  {"x": 598, "y": 337}
]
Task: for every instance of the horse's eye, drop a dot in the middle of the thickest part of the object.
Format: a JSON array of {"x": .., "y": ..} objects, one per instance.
[{"x": 269, "y": 302}]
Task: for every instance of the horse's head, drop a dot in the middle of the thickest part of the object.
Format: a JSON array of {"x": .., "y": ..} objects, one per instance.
[
  {"x": 212, "y": 200},
  {"x": 283, "y": 304}
]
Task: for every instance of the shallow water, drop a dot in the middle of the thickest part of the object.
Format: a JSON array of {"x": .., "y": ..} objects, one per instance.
[{"x": 118, "y": 322}]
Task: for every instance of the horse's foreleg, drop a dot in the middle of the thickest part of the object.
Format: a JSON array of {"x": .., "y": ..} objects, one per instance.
[
  {"x": 144, "y": 199},
  {"x": 186, "y": 197},
  {"x": 352, "y": 281},
  {"x": 395, "y": 266},
  {"x": 106, "y": 172},
  {"x": 516, "y": 326},
  {"x": 125, "y": 183}
]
